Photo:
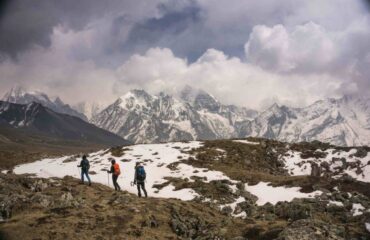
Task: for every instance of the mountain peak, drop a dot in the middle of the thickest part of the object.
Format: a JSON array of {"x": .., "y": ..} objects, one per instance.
[
  {"x": 135, "y": 93},
  {"x": 14, "y": 93},
  {"x": 58, "y": 101},
  {"x": 19, "y": 95}
]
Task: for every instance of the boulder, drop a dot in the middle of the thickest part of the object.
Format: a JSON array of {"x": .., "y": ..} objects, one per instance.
[
  {"x": 227, "y": 210},
  {"x": 315, "y": 170},
  {"x": 361, "y": 152},
  {"x": 308, "y": 229}
]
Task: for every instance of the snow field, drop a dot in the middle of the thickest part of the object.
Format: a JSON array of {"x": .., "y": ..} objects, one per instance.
[
  {"x": 154, "y": 157},
  {"x": 273, "y": 195},
  {"x": 161, "y": 161}
]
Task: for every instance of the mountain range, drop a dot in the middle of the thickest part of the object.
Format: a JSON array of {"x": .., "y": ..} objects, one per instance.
[
  {"x": 144, "y": 118},
  {"x": 191, "y": 114},
  {"x": 34, "y": 119},
  {"x": 344, "y": 122},
  {"x": 21, "y": 96}
]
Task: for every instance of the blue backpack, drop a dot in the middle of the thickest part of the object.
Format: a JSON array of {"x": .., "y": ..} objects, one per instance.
[{"x": 140, "y": 174}]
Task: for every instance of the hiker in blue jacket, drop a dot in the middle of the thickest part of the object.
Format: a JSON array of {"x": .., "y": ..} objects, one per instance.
[
  {"x": 85, "y": 166},
  {"x": 139, "y": 179}
]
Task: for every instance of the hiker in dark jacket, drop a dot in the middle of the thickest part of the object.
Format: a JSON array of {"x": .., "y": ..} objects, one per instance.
[
  {"x": 115, "y": 170},
  {"x": 85, "y": 166},
  {"x": 139, "y": 179}
]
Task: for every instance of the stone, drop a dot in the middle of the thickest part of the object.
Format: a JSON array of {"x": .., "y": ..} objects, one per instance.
[
  {"x": 227, "y": 210},
  {"x": 308, "y": 229},
  {"x": 361, "y": 153},
  {"x": 315, "y": 170}
]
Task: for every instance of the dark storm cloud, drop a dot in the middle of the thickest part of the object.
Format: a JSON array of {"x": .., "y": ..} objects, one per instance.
[{"x": 27, "y": 23}]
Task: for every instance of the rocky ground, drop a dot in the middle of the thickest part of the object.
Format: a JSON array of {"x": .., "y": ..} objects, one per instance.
[{"x": 33, "y": 208}]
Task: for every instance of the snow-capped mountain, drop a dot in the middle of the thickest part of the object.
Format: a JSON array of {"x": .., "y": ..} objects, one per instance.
[
  {"x": 89, "y": 109},
  {"x": 344, "y": 121},
  {"x": 21, "y": 96},
  {"x": 143, "y": 118},
  {"x": 36, "y": 119}
]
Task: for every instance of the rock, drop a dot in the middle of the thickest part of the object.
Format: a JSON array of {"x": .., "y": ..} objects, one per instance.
[
  {"x": 248, "y": 207},
  {"x": 5, "y": 211},
  {"x": 308, "y": 229},
  {"x": 227, "y": 210},
  {"x": 249, "y": 197},
  {"x": 358, "y": 171},
  {"x": 361, "y": 152},
  {"x": 67, "y": 197},
  {"x": 347, "y": 178},
  {"x": 239, "y": 238},
  {"x": 179, "y": 227},
  {"x": 238, "y": 210},
  {"x": 315, "y": 170},
  {"x": 188, "y": 226},
  {"x": 44, "y": 200},
  {"x": 295, "y": 210},
  {"x": 326, "y": 166},
  {"x": 151, "y": 222}
]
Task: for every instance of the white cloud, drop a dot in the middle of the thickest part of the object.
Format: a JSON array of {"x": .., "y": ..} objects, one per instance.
[
  {"x": 230, "y": 79},
  {"x": 307, "y": 48},
  {"x": 57, "y": 72},
  {"x": 296, "y": 52}
]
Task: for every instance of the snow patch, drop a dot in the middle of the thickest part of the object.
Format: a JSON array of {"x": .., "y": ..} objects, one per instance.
[
  {"x": 273, "y": 195},
  {"x": 357, "y": 209},
  {"x": 246, "y": 142},
  {"x": 156, "y": 159},
  {"x": 336, "y": 203}
]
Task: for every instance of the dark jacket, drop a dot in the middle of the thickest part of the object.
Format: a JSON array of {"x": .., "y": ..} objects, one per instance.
[{"x": 85, "y": 165}]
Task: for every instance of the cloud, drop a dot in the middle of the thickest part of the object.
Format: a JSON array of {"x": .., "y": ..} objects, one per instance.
[
  {"x": 55, "y": 71},
  {"x": 25, "y": 24},
  {"x": 306, "y": 48},
  {"x": 228, "y": 78},
  {"x": 310, "y": 48},
  {"x": 250, "y": 53}
]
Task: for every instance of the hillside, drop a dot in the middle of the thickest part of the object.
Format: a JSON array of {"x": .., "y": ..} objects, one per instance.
[
  {"x": 29, "y": 132},
  {"x": 264, "y": 189},
  {"x": 21, "y": 96}
]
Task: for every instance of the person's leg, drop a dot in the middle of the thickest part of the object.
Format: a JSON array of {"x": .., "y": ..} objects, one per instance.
[
  {"x": 82, "y": 176},
  {"x": 114, "y": 179},
  {"x": 88, "y": 177},
  {"x": 144, "y": 190},
  {"x": 116, "y": 183},
  {"x": 118, "y": 186},
  {"x": 138, "y": 189}
]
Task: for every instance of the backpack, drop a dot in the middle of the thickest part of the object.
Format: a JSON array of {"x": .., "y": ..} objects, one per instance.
[
  {"x": 85, "y": 165},
  {"x": 117, "y": 171},
  {"x": 140, "y": 174}
]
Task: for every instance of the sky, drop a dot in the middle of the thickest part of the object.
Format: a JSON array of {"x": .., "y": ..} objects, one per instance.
[{"x": 250, "y": 53}]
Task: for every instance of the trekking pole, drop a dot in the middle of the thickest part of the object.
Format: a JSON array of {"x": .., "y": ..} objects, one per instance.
[
  {"x": 79, "y": 172},
  {"x": 108, "y": 178}
]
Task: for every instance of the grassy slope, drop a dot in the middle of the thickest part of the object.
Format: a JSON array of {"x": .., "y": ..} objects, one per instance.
[
  {"x": 105, "y": 214},
  {"x": 18, "y": 146}
]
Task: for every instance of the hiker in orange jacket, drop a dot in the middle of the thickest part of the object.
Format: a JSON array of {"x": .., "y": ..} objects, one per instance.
[{"x": 115, "y": 170}]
